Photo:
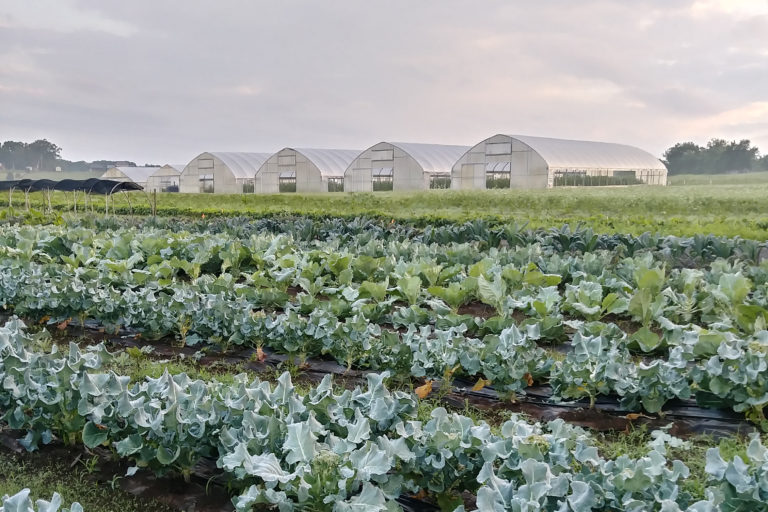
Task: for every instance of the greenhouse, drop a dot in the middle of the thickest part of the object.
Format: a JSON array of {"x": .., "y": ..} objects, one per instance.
[
  {"x": 165, "y": 179},
  {"x": 402, "y": 166},
  {"x": 137, "y": 175},
  {"x": 305, "y": 170},
  {"x": 221, "y": 173},
  {"x": 521, "y": 161}
]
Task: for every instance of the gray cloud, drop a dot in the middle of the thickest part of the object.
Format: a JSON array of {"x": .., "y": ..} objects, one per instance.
[{"x": 163, "y": 81}]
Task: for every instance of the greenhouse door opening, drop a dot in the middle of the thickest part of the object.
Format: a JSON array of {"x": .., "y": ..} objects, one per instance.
[
  {"x": 206, "y": 183},
  {"x": 287, "y": 181},
  {"x": 383, "y": 179},
  {"x": 440, "y": 181},
  {"x": 498, "y": 175}
]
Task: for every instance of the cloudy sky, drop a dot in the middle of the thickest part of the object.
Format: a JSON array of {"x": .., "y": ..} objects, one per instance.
[{"x": 163, "y": 80}]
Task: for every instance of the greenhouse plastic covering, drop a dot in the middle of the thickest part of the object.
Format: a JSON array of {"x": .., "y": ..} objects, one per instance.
[
  {"x": 242, "y": 165},
  {"x": 578, "y": 154},
  {"x": 331, "y": 162},
  {"x": 433, "y": 158}
]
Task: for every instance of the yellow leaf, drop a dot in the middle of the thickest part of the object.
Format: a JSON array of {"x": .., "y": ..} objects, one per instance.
[
  {"x": 260, "y": 355},
  {"x": 480, "y": 384},
  {"x": 450, "y": 371},
  {"x": 528, "y": 378},
  {"x": 423, "y": 391},
  {"x": 63, "y": 325}
]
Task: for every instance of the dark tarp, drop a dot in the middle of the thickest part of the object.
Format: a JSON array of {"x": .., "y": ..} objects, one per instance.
[
  {"x": 24, "y": 184},
  {"x": 69, "y": 185},
  {"x": 41, "y": 185},
  {"x": 91, "y": 185},
  {"x": 110, "y": 186}
]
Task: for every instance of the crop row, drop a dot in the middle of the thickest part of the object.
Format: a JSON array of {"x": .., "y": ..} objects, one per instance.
[
  {"x": 350, "y": 305},
  {"x": 359, "y": 232},
  {"x": 647, "y": 288},
  {"x": 356, "y": 450}
]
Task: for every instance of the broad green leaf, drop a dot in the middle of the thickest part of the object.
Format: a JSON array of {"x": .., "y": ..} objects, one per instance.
[
  {"x": 167, "y": 455},
  {"x": 300, "y": 443},
  {"x": 707, "y": 344},
  {"x": 94, "y": 435},
  {"x": 376, "y": 291},
  {"x": 613, "y": 304},
  {"x": 646, "y": 339},
  {"x": 540, "y": 279},
  {"x": 129, "y": 445},
  {"x": 735, "y": 286},
  {"x": 455, "y": 294},
  {"x": 410, "y": 287},
  {"x": 751, "y": 318},
  {"x": 370, "y": 499},
  {"x": 582, "y": 497},
  {"x": 370, "y": 460},
  {"x": 492, "y": 292},
  {"x": 651, "y": 279}
]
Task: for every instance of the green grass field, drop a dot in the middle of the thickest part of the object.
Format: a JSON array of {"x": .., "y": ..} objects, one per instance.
[
  {"x": 750, "y": 178},
  {"x": 724, "y": 210}
]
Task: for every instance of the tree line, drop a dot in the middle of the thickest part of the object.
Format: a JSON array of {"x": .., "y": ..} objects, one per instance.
[
  {"x": 39, "y": 155},
  {"x": 42, "y": 155},
  {"x": 717, "y": 157}
]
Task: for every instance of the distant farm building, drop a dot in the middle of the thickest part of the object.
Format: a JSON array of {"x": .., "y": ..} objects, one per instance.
[
  {"x": 521, "y": 161},
  {"x": 221, "y": 173},
  {"x": 138, "y": 175},
  {"x": 165, "y": 179},
  {"x": 402, "y": 166},
  {"x": 304, "y": 170}
]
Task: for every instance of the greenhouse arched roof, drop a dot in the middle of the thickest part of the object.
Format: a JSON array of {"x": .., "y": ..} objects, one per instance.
[
  {"x": 331, "y": 162},
  {"x": 136, "y": 174},
  {"x": 433, "y": 157},
  {"x": 566, "y": 154},
  {"x": 242, "y": 165}
]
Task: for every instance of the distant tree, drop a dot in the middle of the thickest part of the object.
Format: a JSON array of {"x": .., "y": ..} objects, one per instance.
[
  {"x": 12, "y": 155},
  {"x": 42, "y": 155},
  {"x": 719, "y": 156},
  {"x": 762, "y": 163},
  {"x": 38, "y": 155},
  {"x": 683, "y": 157},
  {"x": 66, "y": 165},
  {"x": 724, "y": 156}
]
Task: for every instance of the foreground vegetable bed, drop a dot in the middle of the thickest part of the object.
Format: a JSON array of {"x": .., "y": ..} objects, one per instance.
[
  {"x": 358, "y": 450},
  {"x": 645, "y": 319}
]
